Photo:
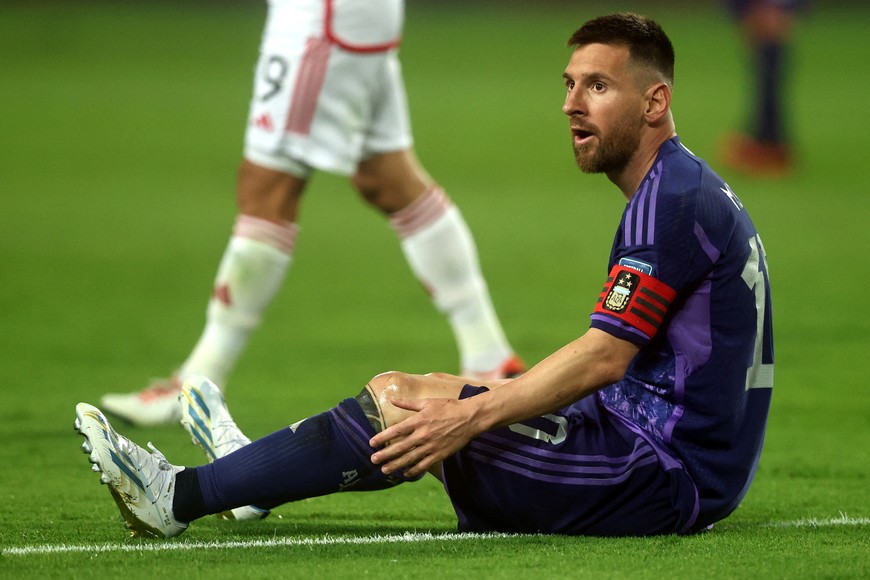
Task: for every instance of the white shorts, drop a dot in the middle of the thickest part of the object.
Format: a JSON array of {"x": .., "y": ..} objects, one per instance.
[{"x": 328, "y": 90}]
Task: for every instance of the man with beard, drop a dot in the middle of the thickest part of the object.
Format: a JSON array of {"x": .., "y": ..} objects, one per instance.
[{"x": 650, "y": 422}]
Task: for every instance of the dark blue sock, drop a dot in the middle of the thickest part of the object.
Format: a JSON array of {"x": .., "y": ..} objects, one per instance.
[{"x": 326, "y": 453}]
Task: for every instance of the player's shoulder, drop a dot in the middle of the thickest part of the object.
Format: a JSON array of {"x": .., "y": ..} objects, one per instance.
[
  {"x": 687, "y": 176},
  {"x": 695, "y": 191},
  {"x": 689, "y": 193},
  {"x": 682, "y": 169}
]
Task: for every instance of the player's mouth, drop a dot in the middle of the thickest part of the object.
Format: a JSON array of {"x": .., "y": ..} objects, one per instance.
[{"x": 581, "y": 136}]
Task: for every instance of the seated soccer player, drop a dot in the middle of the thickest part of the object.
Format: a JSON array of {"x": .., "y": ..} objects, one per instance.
[{"x": 650, "y": 422}]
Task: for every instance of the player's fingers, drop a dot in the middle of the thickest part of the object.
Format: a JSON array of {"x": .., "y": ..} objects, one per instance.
[
  {"x": 403, "y": 462},
  {"x": 408, "y": 404},
  {"x": 419, "y": 467},
  {"x": 413, "y": 463},
  {"x": 389, "y": 436},
  {"x": 393, "y": 448}
]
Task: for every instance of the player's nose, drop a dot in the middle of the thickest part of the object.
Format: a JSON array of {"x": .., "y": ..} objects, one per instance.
[{"x": 573, "y": 104}]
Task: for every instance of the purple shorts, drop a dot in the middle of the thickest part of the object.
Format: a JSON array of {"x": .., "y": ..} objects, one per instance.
[{"x": 580, "y": 470}]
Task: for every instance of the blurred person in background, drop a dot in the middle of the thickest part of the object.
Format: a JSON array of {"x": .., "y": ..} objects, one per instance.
[{"x": 764, "y": 148}]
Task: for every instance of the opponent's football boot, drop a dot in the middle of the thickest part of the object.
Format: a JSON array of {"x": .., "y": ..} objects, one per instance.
[
  {"x": 511, "y": 368},
  {"x": 157, "y": 404}
]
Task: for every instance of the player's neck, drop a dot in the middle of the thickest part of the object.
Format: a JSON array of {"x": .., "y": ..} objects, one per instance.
[{"x": 630, "y": 177}]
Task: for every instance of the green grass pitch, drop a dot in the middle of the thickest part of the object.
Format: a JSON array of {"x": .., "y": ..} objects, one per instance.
[{"x": 120, "y": 132}]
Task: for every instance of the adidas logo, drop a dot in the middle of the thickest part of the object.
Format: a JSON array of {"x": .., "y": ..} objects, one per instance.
[
  {"x": 222, "y": 294},
  {"x": 264, "y": 122}
]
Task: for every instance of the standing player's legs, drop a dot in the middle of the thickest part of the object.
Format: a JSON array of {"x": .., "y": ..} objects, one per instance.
[
  {"x": 768, "y": 28},
  {"x": 270, "y": 183},
  {"x": 252, "y": 270},
  {"x": 441, "y": 252},
  {"x": 435, "y": 238}
]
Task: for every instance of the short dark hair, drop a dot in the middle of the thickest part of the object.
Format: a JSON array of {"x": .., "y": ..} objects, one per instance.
[{"x": 646, "y": 41}]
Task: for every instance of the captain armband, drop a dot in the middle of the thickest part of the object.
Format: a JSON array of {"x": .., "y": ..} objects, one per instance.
[{"x": 635, "y": 298}]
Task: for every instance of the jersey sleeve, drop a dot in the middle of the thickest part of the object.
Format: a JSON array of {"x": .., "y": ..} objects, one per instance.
[
  {"x": 660, "y": 252},
  {"x": 632, "y": 305}
]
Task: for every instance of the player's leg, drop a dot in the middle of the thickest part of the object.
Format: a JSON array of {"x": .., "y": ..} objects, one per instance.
[
  {"x": 270, "y": 183},
  {"x": 323, "y": 454},
  {"x": 765, "y": 148},
  {"x": 251, "y": 271},
  {"x": 320, "y": 455},
  {"x": 434, "y": 236},
  {"x": 768, "y": 27},
  {"x": 440, "y": 250},
  {"x": 208, "y": 420}
]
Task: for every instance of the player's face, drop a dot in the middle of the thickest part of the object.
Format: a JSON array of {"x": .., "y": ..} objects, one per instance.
[{"x": 605, "y": 107}]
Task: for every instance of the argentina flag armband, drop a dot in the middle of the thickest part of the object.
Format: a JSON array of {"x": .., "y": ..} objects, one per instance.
[{"x": 636, "y": 299}]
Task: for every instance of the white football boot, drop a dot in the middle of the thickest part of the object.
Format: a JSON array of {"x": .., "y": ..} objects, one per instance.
[
  {"x": 157, "y": 404},
  {"x": 205, "y": 416},
  {"x": 142, "y": 483}
]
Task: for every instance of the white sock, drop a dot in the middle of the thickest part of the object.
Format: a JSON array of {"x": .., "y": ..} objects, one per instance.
[
  {"x": 441, "y": 252},
  {"x": 252, "y": 270}
]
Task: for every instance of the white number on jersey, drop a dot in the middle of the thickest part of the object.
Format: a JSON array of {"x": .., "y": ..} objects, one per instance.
[
  {"x": 559, "y": 437},
  {"x": 759, "y": 375}
]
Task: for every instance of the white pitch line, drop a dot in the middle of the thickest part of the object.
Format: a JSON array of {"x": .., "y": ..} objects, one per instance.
[
  {"x": 842, "y": 520},
  {"x": 157, "y": 546},
  {"x": 406, "y": 538}
]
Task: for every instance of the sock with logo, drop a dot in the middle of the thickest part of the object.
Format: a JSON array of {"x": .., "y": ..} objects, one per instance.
[{"x": 323, "y": 454}]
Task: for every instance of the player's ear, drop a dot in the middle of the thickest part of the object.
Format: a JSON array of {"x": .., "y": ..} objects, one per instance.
[{"x": 658, "y": 102}]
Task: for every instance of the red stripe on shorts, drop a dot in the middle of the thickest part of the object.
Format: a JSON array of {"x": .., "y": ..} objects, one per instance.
[{"x": 309, "y": 82}]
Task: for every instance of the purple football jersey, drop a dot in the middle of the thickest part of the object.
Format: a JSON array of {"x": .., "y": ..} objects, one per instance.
[{"x": 689, "y": 284}]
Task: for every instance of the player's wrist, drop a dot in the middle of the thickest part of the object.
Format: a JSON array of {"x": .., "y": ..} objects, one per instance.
[{"x": 484, "y": 413}]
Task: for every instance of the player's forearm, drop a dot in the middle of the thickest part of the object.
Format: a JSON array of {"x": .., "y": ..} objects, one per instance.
[{"x": 577, "y": 370}]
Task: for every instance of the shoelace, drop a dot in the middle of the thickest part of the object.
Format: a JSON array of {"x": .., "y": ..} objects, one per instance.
[
  {"x": 127, "y": 448},
  {"x": 233, "y": 442},
  {"x": 162, "y": 467},
  {"x": 162, "y": 463}
]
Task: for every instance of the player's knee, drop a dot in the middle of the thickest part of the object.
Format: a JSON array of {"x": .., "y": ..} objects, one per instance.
[
  {"x": 388, "y": 193},
  {"x": 268, "y": 194},
  {"x": 373, "y": 191},
  {"x": 393, "y": 384},
  {"x": 768, "y": 22},
  {"x": 365, "y": 184},
  {"x": 383, "y": 388}
]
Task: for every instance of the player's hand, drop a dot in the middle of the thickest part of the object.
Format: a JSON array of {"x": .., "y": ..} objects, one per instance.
[{"x": 437, "y": 429}]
